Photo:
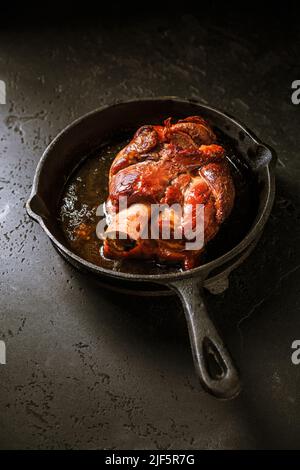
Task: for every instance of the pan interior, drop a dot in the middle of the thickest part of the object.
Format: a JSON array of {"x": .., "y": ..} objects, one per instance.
[{"x": 86, "y": 188}]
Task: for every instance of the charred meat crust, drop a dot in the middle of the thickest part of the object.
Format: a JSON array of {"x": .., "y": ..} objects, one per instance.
[{"x": 173, "y": 163}]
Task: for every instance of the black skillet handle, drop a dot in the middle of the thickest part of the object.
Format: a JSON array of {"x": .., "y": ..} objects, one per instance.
[{"x": 213, "y": 363}]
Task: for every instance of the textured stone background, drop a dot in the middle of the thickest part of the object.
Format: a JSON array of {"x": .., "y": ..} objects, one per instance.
[{"x": 87, "y": 368}]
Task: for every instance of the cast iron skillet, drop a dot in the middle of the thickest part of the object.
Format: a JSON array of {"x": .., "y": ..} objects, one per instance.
[{"x": 84, "y": 135}]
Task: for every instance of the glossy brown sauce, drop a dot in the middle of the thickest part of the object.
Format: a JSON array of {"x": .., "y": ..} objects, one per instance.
[{"x": 87, "y": 188}]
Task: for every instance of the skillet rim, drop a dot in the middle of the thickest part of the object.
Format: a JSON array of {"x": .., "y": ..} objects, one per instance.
[{"x": 200, "y": 271}]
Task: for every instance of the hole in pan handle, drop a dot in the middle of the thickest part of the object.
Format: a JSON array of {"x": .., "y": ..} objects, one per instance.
[{"x": 213, "y": 363}]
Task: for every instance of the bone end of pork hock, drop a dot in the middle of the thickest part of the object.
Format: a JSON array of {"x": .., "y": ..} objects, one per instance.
[{"x": 124, "y": 230}]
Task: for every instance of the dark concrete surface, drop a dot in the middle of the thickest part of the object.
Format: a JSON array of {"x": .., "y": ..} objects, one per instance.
[{"x": 88, "y": 368}]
